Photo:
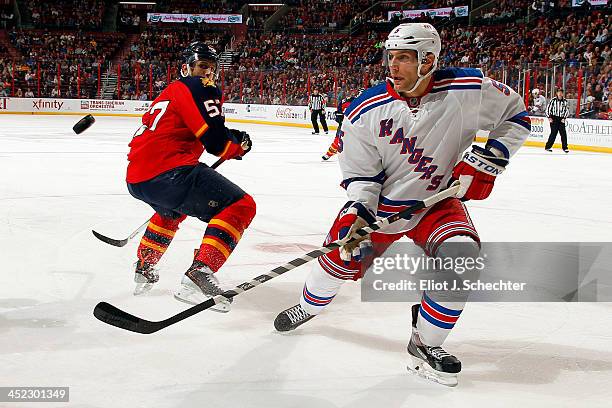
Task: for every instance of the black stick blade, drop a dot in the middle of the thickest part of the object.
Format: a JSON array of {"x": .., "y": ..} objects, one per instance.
[
  {"x": 114, "y": 316},
  {"x": 110, "y": 241}
]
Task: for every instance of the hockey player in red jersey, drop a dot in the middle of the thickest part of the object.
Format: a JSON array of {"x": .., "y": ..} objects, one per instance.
[
  {"x": 334, "y": 147},
  {"x": 164, "y": 172}
]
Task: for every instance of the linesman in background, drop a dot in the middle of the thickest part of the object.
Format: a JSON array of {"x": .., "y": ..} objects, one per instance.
[
  {"x": 317, "y": 104},
  {"x": 557, "y": 112}
]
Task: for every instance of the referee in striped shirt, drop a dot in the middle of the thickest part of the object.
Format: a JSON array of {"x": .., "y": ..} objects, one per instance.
[
  {"x": 316, "y": 104},
  {"x": 557, "y": 111}
]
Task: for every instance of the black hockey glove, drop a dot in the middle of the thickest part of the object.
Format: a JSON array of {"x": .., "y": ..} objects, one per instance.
[
  {"x": 339, "y": 116},
  {"x": 243, "y": 139}
]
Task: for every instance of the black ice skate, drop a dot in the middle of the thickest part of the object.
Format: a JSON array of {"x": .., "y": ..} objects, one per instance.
[
  {"x": 291, "y": 318},
  {"x": 144, "y": 277},
  {"x": 432, "y": 363},
  {"x": 200, "y": 284}
]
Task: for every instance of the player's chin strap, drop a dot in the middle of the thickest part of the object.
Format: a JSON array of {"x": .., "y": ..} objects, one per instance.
[
  {"x": 185, "y": 75},
  {"x": 213, "y": 75},
  {"x": 422, "y": 77}
]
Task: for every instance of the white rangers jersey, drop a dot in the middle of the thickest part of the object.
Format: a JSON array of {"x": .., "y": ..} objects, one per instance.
[
  {"x": 539, "y": 105},
  {"x": 394, "y": 151}
]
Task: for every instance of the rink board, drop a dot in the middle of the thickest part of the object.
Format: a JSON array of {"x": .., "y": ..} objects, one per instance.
[{"x": 583, "y": 134}]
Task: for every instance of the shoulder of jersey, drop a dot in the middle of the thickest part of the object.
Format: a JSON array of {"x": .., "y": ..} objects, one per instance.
[
  {"x": 369, "y": 99},
  {"x": 457, "y": 79},
  {"x": 199, "y": 86}
]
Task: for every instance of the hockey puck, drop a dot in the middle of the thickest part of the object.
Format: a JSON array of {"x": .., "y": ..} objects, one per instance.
[{"x": 83, "y": 124}]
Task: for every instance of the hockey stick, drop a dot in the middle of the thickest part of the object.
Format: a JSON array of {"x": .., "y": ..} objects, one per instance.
[
  {"x": 123, "y": 242},
  {"x": 114, "y": 316},
  {"x": 119, "y": 242}
]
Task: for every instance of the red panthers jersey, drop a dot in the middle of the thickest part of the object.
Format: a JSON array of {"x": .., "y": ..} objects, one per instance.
[
  {"x": 183, "y": 120},
  {"x": 345, "y": 103}
]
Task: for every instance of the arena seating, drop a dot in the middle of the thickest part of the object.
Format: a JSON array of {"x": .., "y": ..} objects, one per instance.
[
  {"x": 78, "y": 14},
  {"x": 311, "y": 46}
]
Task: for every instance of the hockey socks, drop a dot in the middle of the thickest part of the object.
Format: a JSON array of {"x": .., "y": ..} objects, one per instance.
[
  {"x": 224, "y": 231},
  {"x": 319, "y": 290},
  {"x": 332, "y": 150},
  {"x": 157, "y": 238},
  {"x": 437, "y": 319}
]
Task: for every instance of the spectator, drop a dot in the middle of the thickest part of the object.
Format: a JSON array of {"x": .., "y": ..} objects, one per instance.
[
  {"x": 4, "y": 89},
  {"x": 588, "y": 110},
  {"x": 539, "y": 103},
  {"x": 606, "y": 113}
]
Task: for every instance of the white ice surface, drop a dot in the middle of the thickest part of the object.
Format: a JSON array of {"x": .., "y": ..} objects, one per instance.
[{"x": 57, "y": 186}]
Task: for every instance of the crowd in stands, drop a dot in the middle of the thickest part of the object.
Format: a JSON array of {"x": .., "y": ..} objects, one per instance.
[
  {"x": 330, "y": 62},
  {"x": 147, "y": 59},
  {"x": 75, "y": 54},
  {"x": 79, "y": 14},
  {"x": 440, "y": 4},
  {"x": 321, "y": 16},
  {"x": 293, "y": 86},
  {"x": 5, "y": 75},
  {"x": 196, "y": 6},
  {"x": 256, "y": 21},
  {"x": 281, "y": 67},
  {"x": 505, "y": 12},
  {"x": 129, "y": 20},
  {"x": 277, "y": 51},
  {"x": 571, "y": 42},
  {"x": 380, "y": 12},
  {"x": 257, "y": 17},
  {"x": 166, "y": 44}
]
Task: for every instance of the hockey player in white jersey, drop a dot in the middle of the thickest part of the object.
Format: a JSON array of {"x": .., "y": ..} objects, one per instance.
[{"x": 405, "y": 140}]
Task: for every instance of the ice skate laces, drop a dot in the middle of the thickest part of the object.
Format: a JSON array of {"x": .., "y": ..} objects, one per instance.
[
  {"x": 212, "y": 284},
  {"x": 438, "y": 352},
  {"x": 147, "y": 271},
  {"x": 296, "y": 314}
]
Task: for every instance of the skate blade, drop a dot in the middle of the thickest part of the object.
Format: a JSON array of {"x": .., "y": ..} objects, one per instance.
[
  {"x": 188, "y": 296},
  {"x": 142, "y": 288},
  {"x": 143, "y": 285},
  {"x": 424, "y": 370}
]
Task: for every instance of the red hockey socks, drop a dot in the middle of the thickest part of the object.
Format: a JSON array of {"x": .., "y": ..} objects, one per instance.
[
  {"x": 333, "y": 148},
  {"x": 157, "y": 238},
  {"x": 224, "y": 231}
]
